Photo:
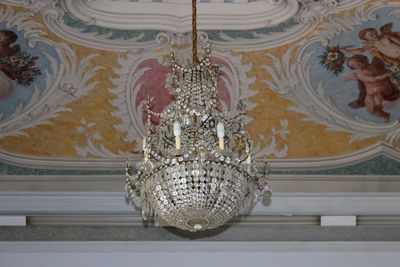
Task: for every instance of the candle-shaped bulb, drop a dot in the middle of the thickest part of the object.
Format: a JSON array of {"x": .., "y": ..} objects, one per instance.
[
  {"x": 221, "y": 134},
  {"x": 177, "y": 129},
  {"x": 220, "y": 130},
  {"x": 128, "y": 167},
  {"x": 248, "y": 160},
  {"x": 144, "y": 144},
  {"x": 146, "y": 156},
  {"x": 177, "y": 134}
]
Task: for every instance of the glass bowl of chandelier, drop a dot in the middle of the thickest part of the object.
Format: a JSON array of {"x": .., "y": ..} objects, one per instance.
[{"x": 197, "y": 171}]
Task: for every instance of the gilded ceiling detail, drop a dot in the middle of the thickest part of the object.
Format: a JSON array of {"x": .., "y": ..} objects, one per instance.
[{"x": 321, "y": 85}]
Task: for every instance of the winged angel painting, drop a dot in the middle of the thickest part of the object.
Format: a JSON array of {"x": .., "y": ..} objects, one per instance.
[
  {"x": 347, "y": 76},
  {"x": 374, "y": 65}
]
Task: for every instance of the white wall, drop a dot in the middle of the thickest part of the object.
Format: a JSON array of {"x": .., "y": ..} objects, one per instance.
[{"x": 193, "y": 254}]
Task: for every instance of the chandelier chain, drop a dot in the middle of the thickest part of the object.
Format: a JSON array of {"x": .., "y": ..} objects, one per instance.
[{"x": 194, "y": 33}]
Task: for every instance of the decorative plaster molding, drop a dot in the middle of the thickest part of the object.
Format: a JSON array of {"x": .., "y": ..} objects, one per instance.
[
  {"x": 176, "y": 17},
  {"x": 288, "y": 183},
  {"x": 380, "y": 148},
  {"x": 114, "y": 204},
  {"x": 163, "y": 247},
  {"x": 34, "y": 5},
  {"x": 68, "y": 163},
  {"x": 147, "y": 24},
  {"x": 118, "y": 163}
]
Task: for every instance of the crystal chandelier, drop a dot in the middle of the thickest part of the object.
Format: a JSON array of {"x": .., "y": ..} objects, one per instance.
[{"x": 197, "y": 171}]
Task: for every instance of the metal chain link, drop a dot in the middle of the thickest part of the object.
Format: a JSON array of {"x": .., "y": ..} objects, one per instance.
[{"x": 194, "y": 33}]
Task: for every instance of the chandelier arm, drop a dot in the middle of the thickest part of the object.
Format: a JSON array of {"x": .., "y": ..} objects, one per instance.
[{"x": 194, "y": 33}]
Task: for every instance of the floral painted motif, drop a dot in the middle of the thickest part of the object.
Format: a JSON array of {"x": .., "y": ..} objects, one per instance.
[
  {"x": 15, "y": 63},
  {"x": 333, "y": 59}
]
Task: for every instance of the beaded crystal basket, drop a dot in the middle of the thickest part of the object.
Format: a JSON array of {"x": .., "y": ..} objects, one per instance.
[{"x": 197, "y": 171}]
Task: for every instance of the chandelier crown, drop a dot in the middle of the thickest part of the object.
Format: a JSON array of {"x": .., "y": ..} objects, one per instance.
[{"x": 194, "y": 84}]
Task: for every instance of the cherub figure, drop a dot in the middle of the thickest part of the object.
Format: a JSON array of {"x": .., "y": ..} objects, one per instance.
[
  {"x": 6, "y": 39},
  {"x": 383, "y": 44},
  {"x": 374, "y": 84}
]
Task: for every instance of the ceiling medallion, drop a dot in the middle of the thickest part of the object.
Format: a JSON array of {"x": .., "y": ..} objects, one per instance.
[{"x": 197, "y": 171}]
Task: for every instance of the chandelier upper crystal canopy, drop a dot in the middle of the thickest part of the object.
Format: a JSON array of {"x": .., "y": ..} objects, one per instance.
[{"x": 197, "y": 171}]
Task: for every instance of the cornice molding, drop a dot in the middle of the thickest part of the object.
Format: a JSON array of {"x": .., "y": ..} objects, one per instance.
[
  {"x": 199, "y": 247},
  {"x": 379, "y": 148},
  {"x": 118, "y": 163},
  {"x": 280, "y": 183},
  {"x": 114, "y": 204}
]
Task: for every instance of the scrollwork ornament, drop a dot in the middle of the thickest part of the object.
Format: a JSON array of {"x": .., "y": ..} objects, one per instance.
[
  {"x": 37, "y": 6},
  {"x": 60, "y": 85},
  {"x": 294, "y": 18}
]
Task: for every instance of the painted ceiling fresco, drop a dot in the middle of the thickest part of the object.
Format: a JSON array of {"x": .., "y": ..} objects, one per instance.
[{"x": 322, "y": 84}]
